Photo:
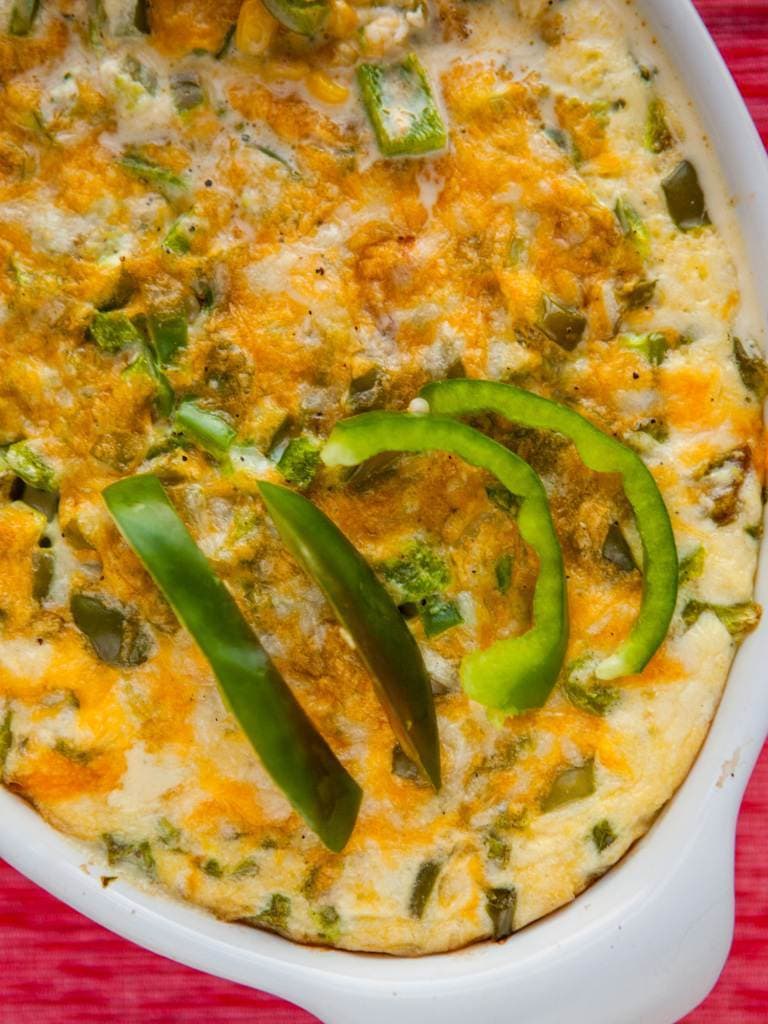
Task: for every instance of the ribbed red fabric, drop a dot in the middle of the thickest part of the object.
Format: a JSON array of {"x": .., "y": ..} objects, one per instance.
[{"x": 58, "y": 968}]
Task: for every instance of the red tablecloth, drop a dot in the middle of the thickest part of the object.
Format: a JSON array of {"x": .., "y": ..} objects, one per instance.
[{"x": 58, "y": 968}]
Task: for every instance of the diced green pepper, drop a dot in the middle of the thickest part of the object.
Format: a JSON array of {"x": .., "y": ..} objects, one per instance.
[
  {"x": 168, "y": 834},
  {"x": 417, "y": 573},
  {"x": 603, "y": 835},
  {"x": 141, "y": 17},
  {"x": 113, "y": 331},
  {"x": 739, "y": 619},
  {"x": 438, "y": 615},
  {"x": 497, "y": 848},
  {"x": 633, "y": 227},
  {"x": 723, "y": 479},
  {"x": 570, "y": 785},
  {"x": 366, "y": 611},
  {"x": 653, "y": 346},
  {"x": 6, "y": 738},
  {"x": 145, "y": 76},
  {"x": 117, "y": 636},
  {"x": 562, "y": 324},
  {"x": 617, "y": 551},
  {"x": 655, "y": 428},
  {"x": 503, "y": 498},
  {"x": 503, "y": 573},
  {"x": 72, "y": 753},
  {"x": 403, "y": 766},
  {"x": 145, "y": 364},
  {"x": 399, "y": 102},
  {"x": 208, "y": 429},
  {"x": 604, "y": 454},
  {"x": 692, "y": 566},
  {"x": 685, "y": 198},
  {"x": 329, "y": 924},
  {"x": 43, "y": 564},
  {"x": 500, "y": 905},
  {"x": 45, "y": 502},
  {"x": 187, "y": 90},
  {"x": 299, "y": 462},
  {"x": 752, "y": 366},
  {"x": 31, "y": 467},
  {"x": 514, "y": 673},
  {"x": 226, "y": 42},
  {"x": 307, "y": 17},
  {"x": 212, "y": 868},
  {"x": 179, "y": 237},
  {"x": 658, "y": 136},
  {"x": 122, "y": 851},
  {"x": 168, "y": 334},
  {"x": 367, "y": 390},
  {"x": 423, "y": 886},
  {"x": 23, "y": 14},
  {"x": 292, "y": 751},
  {"x": 639, "y": 295},
  {"x": 594, "y": 698},
  {"x": 164, "y": 180},
  {"x": 276, "y": 913},
  {"x": 361, "y": 478}
]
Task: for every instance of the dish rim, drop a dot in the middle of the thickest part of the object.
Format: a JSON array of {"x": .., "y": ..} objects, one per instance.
[{"x": 673, "y": 860}]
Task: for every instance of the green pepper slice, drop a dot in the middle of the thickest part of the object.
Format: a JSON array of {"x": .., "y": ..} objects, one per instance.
[
  {"x": 685, "y": 198},
  {"x": 603, "y": 454},
  {"x": 402, "y": 110},
  {"x": 513, "y": 674},
  {"x": 369, "y": 614},
  {"x": 307, "y": 17},
  {"x": 295, "y": 755}
]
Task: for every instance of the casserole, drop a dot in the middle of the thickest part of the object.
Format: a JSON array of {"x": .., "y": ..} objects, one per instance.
[{"x": 488, "y": 966}]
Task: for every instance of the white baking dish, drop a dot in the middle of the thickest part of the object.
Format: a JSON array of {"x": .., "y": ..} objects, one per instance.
[{"x": 646, "y": 943}]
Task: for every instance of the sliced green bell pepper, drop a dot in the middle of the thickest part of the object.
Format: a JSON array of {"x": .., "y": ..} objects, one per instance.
[
  {"x": 603, "y": 454},
  {"x": 369, "y": 614},
  {"x": 296, "y": 756},
  {"x": 516, "y": 673},
  {"x": 402, "y": 110}
]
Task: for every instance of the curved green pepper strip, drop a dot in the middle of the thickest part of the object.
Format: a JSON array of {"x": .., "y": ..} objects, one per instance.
[
  {"x": 371, "y": 617},
  {"x": 513, "y": 674},
  {"x": 604, "y": 454},
  {"x": 296, "y": 756}
]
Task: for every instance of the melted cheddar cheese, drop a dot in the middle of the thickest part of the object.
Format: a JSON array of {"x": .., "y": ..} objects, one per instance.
[{"x": 317, "y": 278}]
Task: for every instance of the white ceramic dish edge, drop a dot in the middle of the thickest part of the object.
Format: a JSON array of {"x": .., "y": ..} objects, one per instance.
[{"x": 647, "y": 942}]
